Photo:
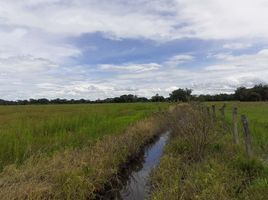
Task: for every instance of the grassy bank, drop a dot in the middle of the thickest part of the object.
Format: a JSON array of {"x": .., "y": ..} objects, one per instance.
[
  {"x": 201, "y": 162},
  {"x": 77, "y": 173},
  {"x": 29, "y": 130}
]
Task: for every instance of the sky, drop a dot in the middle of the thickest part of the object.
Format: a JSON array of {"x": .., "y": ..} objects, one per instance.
[{"x": 95, "y": 49}]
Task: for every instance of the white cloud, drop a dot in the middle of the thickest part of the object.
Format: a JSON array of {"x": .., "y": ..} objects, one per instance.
[
  {"x": 237, "y": 46},
  {"x": 224, "y": 19},
  {"x": 35, "y": 48},
  {"x": 179, "y": 59},
  {"x": 40, "y": 28},
  {"x": 157, "y": 20},
  {"x": 255, "y": 62},
  {"x": 25, "y": 64},
  {"x": 130, "y": 67},
  {"x": 226, "y": 74}
]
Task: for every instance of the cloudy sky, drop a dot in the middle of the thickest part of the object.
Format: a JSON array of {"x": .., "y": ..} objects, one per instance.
[{"x": 104, "y": 48}]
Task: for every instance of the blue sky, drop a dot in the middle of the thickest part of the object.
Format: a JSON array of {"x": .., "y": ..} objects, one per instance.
[{"x": 105, "y": 48}]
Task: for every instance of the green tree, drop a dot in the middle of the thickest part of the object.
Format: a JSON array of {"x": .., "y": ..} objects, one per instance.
[
  {"x": 241, "y": 94},
  {"x": 157, "y": 98},
  {"x": 181, "y": 95}
]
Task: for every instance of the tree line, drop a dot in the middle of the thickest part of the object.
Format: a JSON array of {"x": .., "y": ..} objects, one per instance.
[{"x": 256, "y": 93}]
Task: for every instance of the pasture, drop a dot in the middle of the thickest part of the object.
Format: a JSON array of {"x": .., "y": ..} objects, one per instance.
[
  {"x": 76, "y": 151},
  {"x": 35, "y": 129},
  {"x": 201, "y": 161},
  {"x": 257, "y": 114}
]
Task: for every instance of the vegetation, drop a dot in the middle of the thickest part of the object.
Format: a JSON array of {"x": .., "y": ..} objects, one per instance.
[
  {"x": 257, "y": 93},
  {"x": 30, "y": 130},
  {"x": 201, "y": 162},
  {"x": 158, "y": 98},
  {"x": 181, "y": 95},
  {"x": 79, "y": 173},
  {"x": 257, "y": 114},
  {"x": 75, "y": 151}
]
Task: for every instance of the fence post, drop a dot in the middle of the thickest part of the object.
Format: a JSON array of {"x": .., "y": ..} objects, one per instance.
[
  {"x": 214, "y": 112},
  {"x": 208, "y": 111},
  {"x": 247, "y": 137},
  {"x": 235, "y": 131},
  {"x": 222, "y": 109}
]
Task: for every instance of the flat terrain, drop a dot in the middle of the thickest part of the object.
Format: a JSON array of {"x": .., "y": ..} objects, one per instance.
[
  {"x": 79, "y": 151},
  {"x": 202, "y": 162},
  {"x": 257, "y": 114},
  {"x": 29, "y": 130}
]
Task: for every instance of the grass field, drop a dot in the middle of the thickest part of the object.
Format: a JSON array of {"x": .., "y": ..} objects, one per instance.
[
  {"x": 257, "y": 114},
  {"x": 92, "y": 152},
  {"x": 79, "y": 150},
  {"x": 201, "y": 161},
  {"x": 30, "y": 130}
]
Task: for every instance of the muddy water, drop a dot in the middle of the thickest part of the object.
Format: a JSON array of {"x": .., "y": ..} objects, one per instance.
[
  {"x": 137, "y": 186},
  {"x": 134, "y": 185}
]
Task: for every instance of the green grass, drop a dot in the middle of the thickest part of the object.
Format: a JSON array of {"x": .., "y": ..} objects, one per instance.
[
  {"x": 257, "y": 114},
  {"x": 81, "y": 173},
  {"x": 201, "y": 162},
  {"x": 30, "y": 130}
]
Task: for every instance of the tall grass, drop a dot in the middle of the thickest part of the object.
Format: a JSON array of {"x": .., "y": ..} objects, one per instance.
[
  {"x": 201, "y": 162},
  {"x": 257, "y": 114},
  {"x": 27, "y": 130},
  {"x": 80, "y": 173}
]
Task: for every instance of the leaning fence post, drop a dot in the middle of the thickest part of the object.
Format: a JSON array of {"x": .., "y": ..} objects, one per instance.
[
  {"x": 247, "y": 137},
  {"x": 235, "y": 131}
]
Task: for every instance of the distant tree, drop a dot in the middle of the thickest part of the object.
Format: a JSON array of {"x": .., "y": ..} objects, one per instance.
[
  {"x": 82, "y": 101},
  {"x": 254, "y": 96},
  {"x": 32, "y": 101},
  {"x": 42, "y": 101},
  {"x": 256, "y": 93},
  {"x": 157, "y": 98},
  {"x": 262, "y": 90},
  {"x": 22, "y": 102},
  {"x": 72, "y": 101},
  {"x": 142, "y": 99},
  {"x": 128, "y": 98},
  {"x": 181, "y": 95},
  {"x": 241, "y": 94}
]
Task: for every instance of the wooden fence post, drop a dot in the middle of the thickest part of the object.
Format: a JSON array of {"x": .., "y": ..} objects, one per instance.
[
  {"x": 235, "y": 131},
  {"x": 222, "y": 109},
  {"x": 247, "y": 137},
  {"x": 208, "y": 111}
]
